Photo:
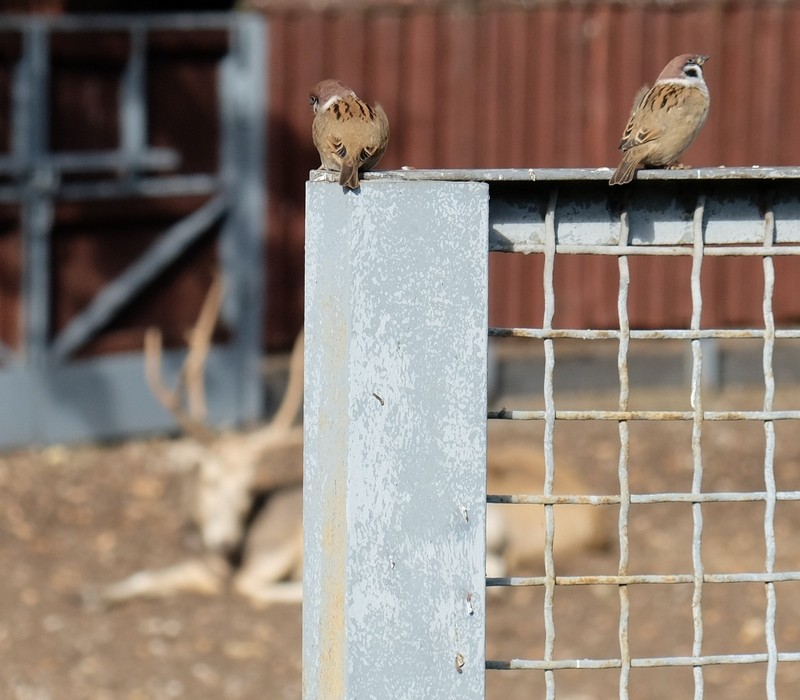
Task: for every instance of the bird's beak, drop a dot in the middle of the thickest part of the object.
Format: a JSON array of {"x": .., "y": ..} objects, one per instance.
[{"x": 701, "y": 60}]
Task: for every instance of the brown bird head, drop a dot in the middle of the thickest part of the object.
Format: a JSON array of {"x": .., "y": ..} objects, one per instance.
[
  {"x": 687, "y": 66},
  {"x": 326, "y": 91}
]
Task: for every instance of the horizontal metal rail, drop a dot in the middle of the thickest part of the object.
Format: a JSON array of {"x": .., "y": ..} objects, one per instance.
[
  {"x": 617, "y": 416},
  {"x": 123, "y": 22},
  {"x": 556, "y": 175},
  {"x": 613, "y": 499},
  {"x": 713, "y": 660},
  {"x": 151, "y": 187},
  {"x": 713, "y": 250},
  {"x": 663, "y": 334},
  {"x": 632, "y": 579},
  {"x": 92, "y": 161}
]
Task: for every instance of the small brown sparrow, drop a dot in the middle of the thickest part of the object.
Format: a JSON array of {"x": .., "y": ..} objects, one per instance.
[
  {"x": 348, "y": 133},
  {"x": 665, "y": 118}
]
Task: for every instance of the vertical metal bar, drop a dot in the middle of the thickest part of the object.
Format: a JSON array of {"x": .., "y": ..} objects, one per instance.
[
  {"x": 22, "y": 94},
  {"x": 697, "y": 456},
  {"x": 36, "y": 214},
  {"x": 21, "y": 117},
  {"x": 624, "y": 449},
  {"x": 242, "y": 84},
  {"x": 133, "y": 103},
  {"x": 769, "y": 455},
  {"x": 395, "y": 441},
  {"x": 549, "y": 429}
]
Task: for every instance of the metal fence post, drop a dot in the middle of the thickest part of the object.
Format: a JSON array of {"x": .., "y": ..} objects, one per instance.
[
  {"x": 395, "y": 416},
  {"x": 243, "y": 79}
]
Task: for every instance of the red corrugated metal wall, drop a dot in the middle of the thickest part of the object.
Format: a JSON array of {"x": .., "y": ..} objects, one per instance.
[{"x": 544, "y": 87}]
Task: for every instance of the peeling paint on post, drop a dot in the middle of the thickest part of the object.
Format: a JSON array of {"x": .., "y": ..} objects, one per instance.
[{"x": 395, "y": 416}]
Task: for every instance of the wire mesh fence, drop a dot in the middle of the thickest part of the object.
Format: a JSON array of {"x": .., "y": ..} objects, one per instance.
[
  {"x": 396, "y": 452},
  {"x": 733, "y": 242}
]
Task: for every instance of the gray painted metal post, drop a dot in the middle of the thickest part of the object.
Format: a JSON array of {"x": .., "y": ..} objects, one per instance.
[
  {"x": 31, "y": 143},
  {"x": 242, "y": 84},
  {"x": 133, "y": 102},
  {"x": 395, "y": 445},
  {"x": 30, "y": 140}
]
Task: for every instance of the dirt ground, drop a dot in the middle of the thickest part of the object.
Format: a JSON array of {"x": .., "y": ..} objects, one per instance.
[{"x": 91, "y": 514}]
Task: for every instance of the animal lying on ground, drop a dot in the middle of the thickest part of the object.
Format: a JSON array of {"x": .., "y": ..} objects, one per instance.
[{"x": 230, "y": 469}]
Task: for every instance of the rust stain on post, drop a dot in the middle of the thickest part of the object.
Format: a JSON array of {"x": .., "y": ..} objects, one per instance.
[{"x": 332, "y": 620}]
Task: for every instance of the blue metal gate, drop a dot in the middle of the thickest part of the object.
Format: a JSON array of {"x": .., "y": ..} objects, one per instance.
[{"x": 49, "y": 394}]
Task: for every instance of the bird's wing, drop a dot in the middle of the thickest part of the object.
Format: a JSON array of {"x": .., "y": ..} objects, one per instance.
[{"x": 644, "y": 123}]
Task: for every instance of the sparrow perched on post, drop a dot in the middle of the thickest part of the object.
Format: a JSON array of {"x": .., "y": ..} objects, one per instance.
[
  {"x": 348, "y": 133},
  {"x": 664, "y": 119}
]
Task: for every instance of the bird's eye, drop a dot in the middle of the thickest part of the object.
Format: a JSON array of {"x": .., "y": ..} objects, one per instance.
[{"x": 313, "y": 100}]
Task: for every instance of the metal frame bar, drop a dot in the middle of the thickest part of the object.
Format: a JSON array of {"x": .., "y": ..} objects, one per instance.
[
  {"x": 179, "y": 21},
  {"x": 30, "y": 143},
  {"x": 118, "y": 293},
  {"x": 242, "y": 76}
]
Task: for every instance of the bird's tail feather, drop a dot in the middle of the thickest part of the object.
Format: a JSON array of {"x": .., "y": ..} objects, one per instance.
[
  {"x": 348, "y": 177},
  {"x": 624, "y": 172}
]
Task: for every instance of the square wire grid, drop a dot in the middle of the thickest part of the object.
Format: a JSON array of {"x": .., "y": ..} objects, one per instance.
[{"x": 698, "y": 577}]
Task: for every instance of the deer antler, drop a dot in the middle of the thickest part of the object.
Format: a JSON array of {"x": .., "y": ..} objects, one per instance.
[
  {"x": 279, "y": 431},
  {"x": 190, "y": 415},
  {"x": 190, "y": 377},
  {"x": 199, "y": 341}
]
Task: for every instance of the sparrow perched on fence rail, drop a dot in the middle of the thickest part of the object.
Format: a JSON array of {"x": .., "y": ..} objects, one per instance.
[
  {"x": 349, "y": 134},
  {"x": 665, "y": 119}
]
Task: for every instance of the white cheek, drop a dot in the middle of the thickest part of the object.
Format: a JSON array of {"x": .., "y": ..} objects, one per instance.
[
  {"x": 329, "y": 103},
  {"x": 698, "y": 83}
]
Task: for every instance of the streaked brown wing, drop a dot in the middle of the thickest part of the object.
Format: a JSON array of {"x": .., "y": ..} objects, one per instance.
[{"x": 644, "y": 123}]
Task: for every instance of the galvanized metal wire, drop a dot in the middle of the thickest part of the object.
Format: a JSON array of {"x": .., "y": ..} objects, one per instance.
[
  {"x": 549, "y": 428},
  {"x": 624, "y": 444},
  {"x": 697, "y": 455},
  {"x": 698, "y": 416},
  {"x": 769, "y": 457}
]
